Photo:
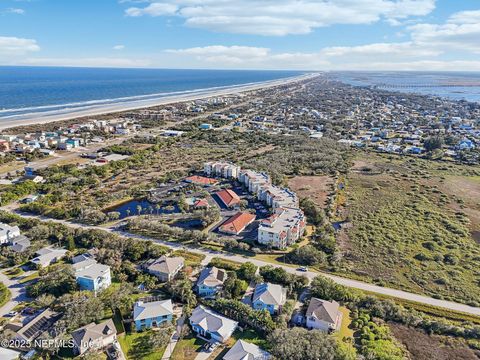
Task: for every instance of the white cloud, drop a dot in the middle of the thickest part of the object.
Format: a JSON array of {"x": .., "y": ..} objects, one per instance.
[
  {"x": 17, "y": 46},
  {"x": 281, "y": 17},
  {"x": 15, "y": 11},
  {"x": 88, "y": 62},
  {"x": 119, "y": 47},
  {"x": 460, "y": 32},
  {"x": 154, "y": 9}
]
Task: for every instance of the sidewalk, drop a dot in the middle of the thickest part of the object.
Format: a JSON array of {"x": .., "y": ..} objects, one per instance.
[{"x": 170, "y": 347}]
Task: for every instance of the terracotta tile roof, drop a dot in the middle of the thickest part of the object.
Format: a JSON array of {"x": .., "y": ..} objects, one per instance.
[
  {"x": 228, "y": 197},
  {"x": 201, "y": 203},
  {"x": 201, "y": 180},
  {"x": 237, "y": 223}
]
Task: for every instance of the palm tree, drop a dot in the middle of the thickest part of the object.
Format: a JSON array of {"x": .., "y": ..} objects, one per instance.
[
  {"x": 139, "y": 209},
  {"x": 157, "y": 207},
  {"x": 127, "y": 212}
]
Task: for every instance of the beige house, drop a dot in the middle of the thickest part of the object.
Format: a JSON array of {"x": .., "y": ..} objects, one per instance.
[
  {"x": 165, "y": 268},
  {"x": 323, "y": 315},
  {"x": 94, "y": 336}
]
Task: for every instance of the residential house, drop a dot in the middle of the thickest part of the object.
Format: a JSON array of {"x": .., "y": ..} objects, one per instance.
[
  {"x": 270, "y": 297},
  {"x": 48, "y": 256},
  {"x": 210, "y": 281},
  {"x": 92, "y": 276},
  {"x": 19, "y": 244},
  {"x": 165, "y": 268},
  {"x": 8, "y": 233},
  {"x": 323, "y": 315},
  {"x": 94, "y": 336},
  {"x": 237, "y": 223},
  {"x": 148, "y": 314},
  {"x": 38, "y": 325},
  {"x": 243, "y": 350},
  {"x": 212, "y": 326}
]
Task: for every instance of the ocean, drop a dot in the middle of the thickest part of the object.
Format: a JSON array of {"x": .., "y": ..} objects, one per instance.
[
  {"x": 27, "y": 90},
  {"x": 451, "y": 85}
]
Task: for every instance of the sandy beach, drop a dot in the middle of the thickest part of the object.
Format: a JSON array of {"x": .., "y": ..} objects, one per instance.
[{"x": 93, "y": 110}]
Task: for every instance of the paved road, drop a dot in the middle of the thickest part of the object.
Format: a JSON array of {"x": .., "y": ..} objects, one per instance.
[
  {"x": 17, "y": 290},
  {"x": 290, "y": 269}
]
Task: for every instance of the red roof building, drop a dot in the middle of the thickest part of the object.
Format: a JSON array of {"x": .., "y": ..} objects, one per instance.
[
  {"x": 228, "y": 197},
  {"x": 201, "y": 180},
  {"x": 237, "y": 223}
]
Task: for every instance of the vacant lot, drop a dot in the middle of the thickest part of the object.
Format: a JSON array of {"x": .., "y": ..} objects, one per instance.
[
  {"x": 411, "y": 229},
  {"x": 425, "y": 347},
  {"x": 316, "y": 188}
]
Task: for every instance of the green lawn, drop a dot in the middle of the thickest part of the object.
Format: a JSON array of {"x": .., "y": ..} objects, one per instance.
[
  {"x": 345, "y": 331},
  {"x": 187, "y": 349},
  {"x": 135, "y": 347},
  {"x": 4, "y": 294},
  {"x": 14, "y": 272},
  {"x": 29, "y": 277}
]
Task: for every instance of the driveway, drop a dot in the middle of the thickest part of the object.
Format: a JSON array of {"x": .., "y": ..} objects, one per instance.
[{"x": 17, "y": 290}]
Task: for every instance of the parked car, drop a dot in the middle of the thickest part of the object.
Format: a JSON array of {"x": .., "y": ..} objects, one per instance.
[
  {"x": 303, "y": 269},
  {"x": 12, "y": 313}
]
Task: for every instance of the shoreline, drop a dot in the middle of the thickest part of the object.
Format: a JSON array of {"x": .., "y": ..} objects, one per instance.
[{"x": 70, "y": 114}]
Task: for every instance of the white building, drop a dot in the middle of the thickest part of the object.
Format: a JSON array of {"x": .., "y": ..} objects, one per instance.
[
  {"x": 222, "y": 169},
  {"x": 8, "y": 233},
  {"x": 283, "y": 228},
  {"x": 323, "y": 315}
]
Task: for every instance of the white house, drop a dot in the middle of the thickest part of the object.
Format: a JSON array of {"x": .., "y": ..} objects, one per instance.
[
  {"x": 7, "y": 233},
  {"x": 243, "y": 350},
  {"x": 48, "y": 256},
  {"x": 323, "y": 315}
]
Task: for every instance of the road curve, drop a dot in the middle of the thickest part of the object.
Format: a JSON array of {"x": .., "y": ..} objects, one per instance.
[{"x": 360, "y": 285}]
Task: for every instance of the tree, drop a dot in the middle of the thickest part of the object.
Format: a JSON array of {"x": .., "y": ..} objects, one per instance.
[
  {"x": 307, "y": 255},
  {"x": 327, "y": 289},
  {"x": 160, "y": 338},
  {"x": 79, "y": 309},
  {"x": 433, "y": 143},
  {"x": 119, "y": 297},
  {"x": 247, "y": 271},
  {"x": 55, "y": 280},
  {"x": 301, "y": 344}
]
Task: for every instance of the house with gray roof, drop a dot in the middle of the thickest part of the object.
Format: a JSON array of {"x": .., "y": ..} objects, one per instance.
[
  {"x": 270, "y": 297},
  {"x": 92, "y": 276},
  {"x": 243, "y": 350},
  {"x": 148, "y": 313},
  {"x": 323, "y": 315},
  {"x": 211, "y": 325},
  {"x": 210, "y": 281},
  {"x": 165, "y": 268},
  {"x": 38, "y": 325},
  {"x": 19, "y": 243},
  {"x": 94, "y": 336},
  {"x": 48, "y": 256}
]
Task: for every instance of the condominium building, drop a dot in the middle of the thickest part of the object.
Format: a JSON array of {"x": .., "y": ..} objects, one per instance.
[
  {"x": 283, "y": 228},
  {"x": 222, "y": 169}
]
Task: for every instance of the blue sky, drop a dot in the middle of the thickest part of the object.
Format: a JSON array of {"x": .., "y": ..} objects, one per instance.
[{"x": 248, "y": 34}]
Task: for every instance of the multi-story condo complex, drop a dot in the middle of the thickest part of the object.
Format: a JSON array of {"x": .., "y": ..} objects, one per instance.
[
  {"x": 287, "y": 223},
  {"x": 223, "y": 169},
  {"x": 284, "y": 227}
]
